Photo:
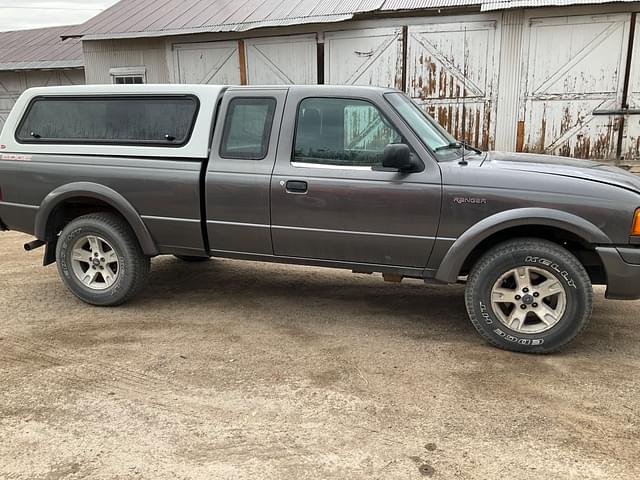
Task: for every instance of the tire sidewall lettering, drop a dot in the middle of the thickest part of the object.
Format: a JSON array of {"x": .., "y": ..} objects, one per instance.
[{"x": 536, "y": 260}]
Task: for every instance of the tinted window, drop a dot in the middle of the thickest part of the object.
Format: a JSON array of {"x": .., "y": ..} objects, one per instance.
[
  {"x": 347, "y": 132},
  {"x": 165, "y": 121},
  {"x": 247, "y": 128}
]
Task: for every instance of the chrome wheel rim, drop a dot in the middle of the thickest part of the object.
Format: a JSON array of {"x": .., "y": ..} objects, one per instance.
[
  {"x": 94, "y": 262},
  {"x": 529, "y": 300}
]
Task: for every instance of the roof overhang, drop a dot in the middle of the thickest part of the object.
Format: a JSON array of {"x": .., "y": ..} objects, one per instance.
[{"x": 43, "y": 65}]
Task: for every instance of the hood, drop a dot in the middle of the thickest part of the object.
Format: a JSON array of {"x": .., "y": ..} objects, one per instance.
[{"x": 565, "y": 167}]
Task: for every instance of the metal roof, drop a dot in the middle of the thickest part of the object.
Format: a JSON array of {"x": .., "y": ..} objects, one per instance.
[
  {"x": 154, "y": 18},
  {"x": 38, "y": 49},
  {"x": 488, "y": 5},
  {"x": 159, "y": 18}
]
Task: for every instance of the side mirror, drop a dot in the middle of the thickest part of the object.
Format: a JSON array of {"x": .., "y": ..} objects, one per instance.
[{"x": 398, "y": 156}]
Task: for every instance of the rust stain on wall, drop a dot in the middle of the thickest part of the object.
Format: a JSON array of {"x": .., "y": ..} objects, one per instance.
[{"x": 543, "y": 134}]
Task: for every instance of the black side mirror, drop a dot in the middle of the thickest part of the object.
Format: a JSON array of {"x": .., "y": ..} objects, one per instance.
[{"x": 398, "y": 156}]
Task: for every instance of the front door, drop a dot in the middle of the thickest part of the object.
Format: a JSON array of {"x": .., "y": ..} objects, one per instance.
[{"x": 330, "y": 202}]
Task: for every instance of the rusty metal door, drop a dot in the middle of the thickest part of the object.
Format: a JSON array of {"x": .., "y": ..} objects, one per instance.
[
  {"x": 364, "y": 57},
  {"x": 207, "y": 63},
  {"x": 453, "y": 72},
  {"x": 574, "y": 68},
  {"x": 282, "y": 60},
  {"x": 630, "y": 144}
]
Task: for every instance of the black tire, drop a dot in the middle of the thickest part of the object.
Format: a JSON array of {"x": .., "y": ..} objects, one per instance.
[
  {"x": 130, "y": 272},
  {"x": 547, "y": 261},
  {"x": 192, "y": 259}
]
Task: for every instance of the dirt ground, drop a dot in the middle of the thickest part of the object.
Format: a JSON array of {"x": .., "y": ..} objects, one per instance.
[{"x": 231, "y": 370}]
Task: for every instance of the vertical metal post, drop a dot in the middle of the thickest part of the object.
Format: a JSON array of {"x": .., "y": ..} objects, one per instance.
[
  {"x": 320, "y": 58},
  {"x": 405, "y": 40},
  {"x": 627, "y": 80}
]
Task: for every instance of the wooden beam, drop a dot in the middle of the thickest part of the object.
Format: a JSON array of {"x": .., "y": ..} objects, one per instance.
[{"x": 243, "y": 63}]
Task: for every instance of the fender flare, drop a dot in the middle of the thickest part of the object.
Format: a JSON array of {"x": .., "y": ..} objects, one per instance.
[
  {"x": 98, "y": 192},
  {"x": 544, "y": 217}
]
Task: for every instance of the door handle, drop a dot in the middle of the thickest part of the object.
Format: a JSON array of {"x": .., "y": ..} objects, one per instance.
[{"x": 296, "y": 186}]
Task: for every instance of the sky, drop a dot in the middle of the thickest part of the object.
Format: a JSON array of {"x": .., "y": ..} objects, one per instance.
[{"x": 23, "y": 14}]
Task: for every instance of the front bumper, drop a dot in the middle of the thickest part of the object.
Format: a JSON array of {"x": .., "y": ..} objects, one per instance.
[{"x": 622, "y": 266}]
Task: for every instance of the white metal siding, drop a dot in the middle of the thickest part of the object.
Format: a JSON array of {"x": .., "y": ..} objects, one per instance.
[
  {"x": 510, "y": 73},
  {"x": 453, "y": 72},
  {"x": 282, "y": 60},
  {"x": 102, "y": 56},
  {"x": 214, "y": 63},
  {"x": 364, "y": 57}
]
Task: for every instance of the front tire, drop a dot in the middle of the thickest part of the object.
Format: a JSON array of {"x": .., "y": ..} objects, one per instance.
[
  {"x": 529, "y": 295},
  {"x": 100, "y": 260}
]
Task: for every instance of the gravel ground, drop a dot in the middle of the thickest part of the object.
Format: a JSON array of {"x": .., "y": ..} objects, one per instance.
[{"x": 231, "y": 370}]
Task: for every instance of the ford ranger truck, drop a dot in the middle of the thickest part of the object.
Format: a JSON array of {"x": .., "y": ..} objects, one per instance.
[{"x": 106, "y": 177}]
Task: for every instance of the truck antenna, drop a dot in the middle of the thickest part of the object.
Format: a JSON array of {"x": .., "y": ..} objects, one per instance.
[{"x": 463, "y": 160}]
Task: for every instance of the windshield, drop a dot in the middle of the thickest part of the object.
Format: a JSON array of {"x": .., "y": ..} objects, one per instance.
[{"x": 430, "y": 132}]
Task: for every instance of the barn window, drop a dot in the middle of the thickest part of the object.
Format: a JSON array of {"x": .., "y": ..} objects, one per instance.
[
  {"x": 128, "y": 79},
  {"x": 128, "y": 75},
  {"x": 165, "y": 120}
]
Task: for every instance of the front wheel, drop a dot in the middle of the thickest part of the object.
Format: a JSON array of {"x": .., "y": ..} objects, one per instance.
[
  {"x": 100, "y": 260},
  {"x": 529, "y": 295}
]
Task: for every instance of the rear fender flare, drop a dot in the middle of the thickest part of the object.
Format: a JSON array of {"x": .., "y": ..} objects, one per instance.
[
  {"x": 98, "y": 192},
  {"x": 451, "y": 266}
]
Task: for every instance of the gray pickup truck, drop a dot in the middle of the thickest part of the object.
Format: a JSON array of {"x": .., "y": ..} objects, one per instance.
[{"x": 108, "y": 177}]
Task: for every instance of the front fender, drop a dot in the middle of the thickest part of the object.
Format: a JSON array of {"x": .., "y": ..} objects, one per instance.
[
  {"x": 450, "y": 267},
  {"x": 98, "y": 192}
]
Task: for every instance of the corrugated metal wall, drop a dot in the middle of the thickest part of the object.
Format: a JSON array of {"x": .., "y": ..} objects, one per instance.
[
  {"x": 526, "y": 80},
  {"x": 101, "y": 56}
]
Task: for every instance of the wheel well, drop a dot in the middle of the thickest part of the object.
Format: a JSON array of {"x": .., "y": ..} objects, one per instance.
[
  {"x": 71, "y": 209},
  {"x": 583, "y": 251}
]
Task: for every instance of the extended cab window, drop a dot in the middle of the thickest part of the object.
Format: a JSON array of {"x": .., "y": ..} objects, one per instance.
[
  {"x": 247, "y": 128},
  {"x": 158, "y": 120},
  {"x": 345, "y": 132}
]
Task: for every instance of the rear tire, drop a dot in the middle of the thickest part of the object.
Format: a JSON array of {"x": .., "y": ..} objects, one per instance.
[
  {"x": 192, "y": 259},
  {"x": 100, "y": 260},
  {"x": 529, "y": 295}
]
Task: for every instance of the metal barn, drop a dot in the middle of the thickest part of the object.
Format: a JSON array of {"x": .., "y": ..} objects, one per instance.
[
  {"x": 553, "y": 76},
  {"x": 35, "y": 58}
]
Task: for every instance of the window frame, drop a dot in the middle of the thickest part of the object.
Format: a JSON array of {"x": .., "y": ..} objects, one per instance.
[
  {"x": 226, "y": 126},
  {"x": 128, "y": 72},
  {"x": 85, "y": 141},
  {"x": 124, "y": 77},
  {"x": 328, "y": 166}
]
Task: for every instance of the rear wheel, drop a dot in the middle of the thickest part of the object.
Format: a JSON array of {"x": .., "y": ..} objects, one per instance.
[
  {"x": 100, "y": 260},
  {"x": 529, "y": 295}
]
